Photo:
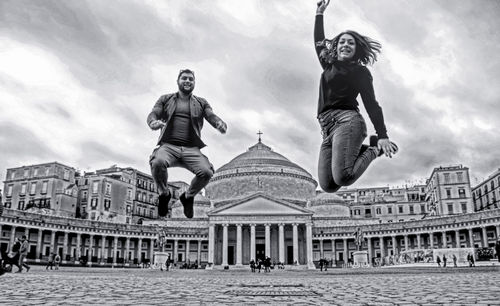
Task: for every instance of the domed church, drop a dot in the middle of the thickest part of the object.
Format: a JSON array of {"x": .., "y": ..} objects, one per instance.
[{"x": 260, "y": 204}]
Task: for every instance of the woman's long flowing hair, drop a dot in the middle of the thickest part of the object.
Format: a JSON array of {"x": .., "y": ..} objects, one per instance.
[{"x": 366, "y": 48}]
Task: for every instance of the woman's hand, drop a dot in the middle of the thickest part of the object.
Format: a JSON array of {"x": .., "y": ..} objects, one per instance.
[
  {"x": 322, "y": 4},
  {"x": 388, "y": 147}
]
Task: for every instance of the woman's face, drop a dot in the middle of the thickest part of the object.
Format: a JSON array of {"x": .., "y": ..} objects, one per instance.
[{"x": 346, "y": 47}]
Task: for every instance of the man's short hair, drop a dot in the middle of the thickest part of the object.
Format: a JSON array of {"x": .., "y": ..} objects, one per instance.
[
  {"x": 185, "y": 71},
  {"x": 24, "y": 236}
]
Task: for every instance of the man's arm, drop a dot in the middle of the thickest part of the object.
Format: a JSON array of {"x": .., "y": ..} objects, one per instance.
[
  {"x": 211, "y": 117},
  {"x": 154, "y": 118}
]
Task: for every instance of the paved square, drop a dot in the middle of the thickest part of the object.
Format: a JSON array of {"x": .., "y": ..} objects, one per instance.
[{"x": 104, "y": 286}]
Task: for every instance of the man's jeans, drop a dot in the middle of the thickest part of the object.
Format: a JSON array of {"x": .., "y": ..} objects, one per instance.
[
  {"x": 190, "y": 158},
  {"x": 342, "y": 157}
]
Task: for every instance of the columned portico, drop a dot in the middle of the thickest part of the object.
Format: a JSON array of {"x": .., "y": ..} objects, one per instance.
[
  {"x": 239, "y": 245},
  {"x": 419, "y": 242},
  {"x": 281, "y": 255}
]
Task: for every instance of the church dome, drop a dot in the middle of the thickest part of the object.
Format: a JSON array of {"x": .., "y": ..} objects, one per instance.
[
  {"x": 260, "y": 169},
  {"x": 201, "y": 207},
  {"x": 329, "y": 204}
]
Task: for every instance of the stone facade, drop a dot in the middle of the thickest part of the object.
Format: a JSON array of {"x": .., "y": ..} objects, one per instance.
[{"x": 487, "y": 194}]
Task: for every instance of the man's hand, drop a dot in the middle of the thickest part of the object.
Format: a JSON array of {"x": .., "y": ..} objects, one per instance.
[
  {"x": 221, "y": 126},
  {"x": 389, "y": 148},
  {"x": 322, "y": 4},
  {"x": 156, "y": 125}
]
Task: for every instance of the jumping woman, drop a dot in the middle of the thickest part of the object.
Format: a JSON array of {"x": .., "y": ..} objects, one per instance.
[{"x": 343, "y": 158}]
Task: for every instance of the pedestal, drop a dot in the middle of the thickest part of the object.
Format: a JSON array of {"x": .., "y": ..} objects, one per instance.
[
  {"x": 360, "y": 259},
  {"x": 160, "y": 258}
]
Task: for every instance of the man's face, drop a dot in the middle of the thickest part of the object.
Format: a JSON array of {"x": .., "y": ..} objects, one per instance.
[{"x": 186, "y": 83}]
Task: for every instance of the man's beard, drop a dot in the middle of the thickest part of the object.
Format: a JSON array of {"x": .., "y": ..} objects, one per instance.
[{"x": 184, "y": 91}]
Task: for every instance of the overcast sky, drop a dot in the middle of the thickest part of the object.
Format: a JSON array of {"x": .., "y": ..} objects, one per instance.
[{"x": 78, "y": 79}]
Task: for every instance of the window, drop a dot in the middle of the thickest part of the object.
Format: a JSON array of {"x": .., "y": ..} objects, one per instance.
[
  {"x": 23, "y": 188},
  {"x": 389, "y": 210},
  {"x": 8, "y": 204},
  {"x": 379, "y": 211},
  {"x": 92, "y": 216},
  {"x": 13, "y": 175},
  {"x": 450, "y": 208},
  {"x": 26, "y": 172},
  {"x": 95, "y": 187},
  {"x": 94, "y": 202},
  {"x": 9, "y": 190},
  {"x": 20, "y": 205},
  {"x": 464, "y": 207},
  {"x": 460, "y": 177},
  {"x": 129, "y": 194},
  {"x": 44, "y": 187},
  {"x": 33, "y": 188},
  {"x": 422, "y": 208},
  {"x": 128, "y": 209},
  {"x": 66, "y": 174},
  {"x": 47, "y": 171},
  {"x": 400, "y": 209},
  {"x": 446, "y": 177},
  {"x": 35, "y": 172},
  {"x": 107, "y": 204},
  {"x": 84, "y": 196},
  {"x": 151, "y": 213},
  {"x": 411, "y": 209},
  {"x": 492, "y": 185},
  {"x": 448, "y": 193},
  {"x": 108, "y": 188},
  {"x": 461, "y": 193}
]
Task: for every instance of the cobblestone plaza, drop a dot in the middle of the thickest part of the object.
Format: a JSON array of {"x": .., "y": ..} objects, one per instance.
[{"x": 385, "y": 286}]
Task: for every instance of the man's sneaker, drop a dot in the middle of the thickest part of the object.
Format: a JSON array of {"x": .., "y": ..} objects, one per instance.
[
  {"x": 188, "y": 205},
  {"x": 163, "y": 201},
  {"x": 28, "y": 269}
]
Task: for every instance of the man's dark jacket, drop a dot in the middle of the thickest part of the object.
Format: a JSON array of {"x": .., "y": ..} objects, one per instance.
[{"x": 199, "y": 108}]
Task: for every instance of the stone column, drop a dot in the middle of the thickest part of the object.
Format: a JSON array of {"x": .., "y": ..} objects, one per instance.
[
  {"x": 12, "y": 236},
  {"x": 485, "y": 237},
  {"x": 281, "y": 255},
  {"x": 188, "y": 245},
  {"x": 224, "y": 244},
  {"x": 394, "y": 243},
  {"x": 211, "y": 245},
  {"x": 176, "y": 250},
  {"x": 407, "y": 243},
  {"x": 39, "y": 245},
  {"x": 471, "y": 238},
  {"x": 498, "y": 232},
  {"x": 53, "y": 241},
  {"x": 295, "y": 244},
  {"x": 252, "y": 242},
  {"x": 457, "y": 238},
  {"x": 139, "y": 251},
  {"x": 151, "y": 251},
  {"x": 65, "y": 247},
  {"x": 91, "y": 246},
  {"x": 321, "y": 250},
  {"x": 26, "y": 233},
  {"x": 334, "y": 255},
  {"x": 370, "y": 252},
  {"x": 309, "y": 246},
  {"x": 419, "y": 242},
  {"x": 78, "y": 247},
  {"x": 382, "y": 247},
  {"x": 443, "y": 236},
  {"x": 268, "y": 240},
  {"x": 431, "y": 240},
  {"x": 346, "y": 251},
  {"x": 199, "y": 252},
  {"x": 115, "y": 249},
  {"x": 103, "y": 249},
  {"x": 239, "y": 251},
  {"x": 126, "y": 258}
]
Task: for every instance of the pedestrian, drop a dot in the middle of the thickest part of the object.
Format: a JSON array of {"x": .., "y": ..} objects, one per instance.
[
  {"x": 438, "y": 260},
  {"x": 321, "y": 264},
  {"x": 57, "y": 261},
  {"x": 343, "y": 158},
  {"x": 15, "y": 255},
  {"x": 444, "y": 261},
  {"x": 455, "y": 260},
  {"x": 325, "y": 263},
  {"x": 180, "y": 117},
  {"x": 50, "y": 262},
  {"x": 470, "y": 259},
  {"x": 23, "y": 252},
  {"x": 252, "y": 265}
]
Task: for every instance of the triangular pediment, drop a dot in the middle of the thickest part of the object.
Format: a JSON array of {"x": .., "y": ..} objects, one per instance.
[{"x": 260, "y": 205}]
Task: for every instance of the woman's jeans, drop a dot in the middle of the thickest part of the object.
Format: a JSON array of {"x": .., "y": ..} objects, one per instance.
[{"x": 342, "y": 157}]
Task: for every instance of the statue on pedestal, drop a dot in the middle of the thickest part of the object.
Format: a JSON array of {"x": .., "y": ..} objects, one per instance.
[{"x": 359, "y": 238}]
